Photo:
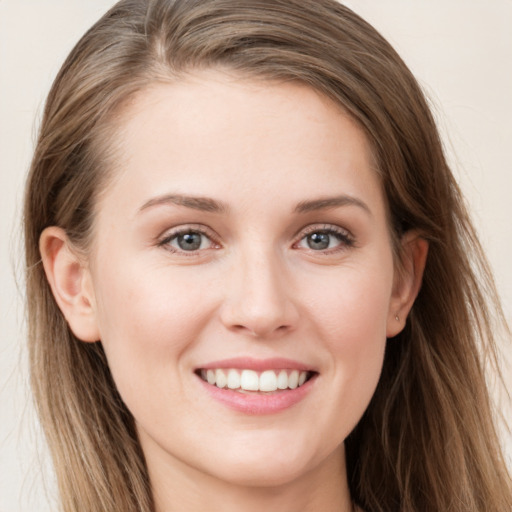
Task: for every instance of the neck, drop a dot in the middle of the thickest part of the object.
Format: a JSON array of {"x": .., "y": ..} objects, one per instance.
[{"x": 178, "y": 487}]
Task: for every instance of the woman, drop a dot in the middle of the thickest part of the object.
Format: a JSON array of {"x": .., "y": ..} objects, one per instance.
[{"x": 251, "y": 274}]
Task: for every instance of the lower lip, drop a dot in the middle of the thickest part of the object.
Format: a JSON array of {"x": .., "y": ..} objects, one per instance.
[{"x": 259, "y": 403}]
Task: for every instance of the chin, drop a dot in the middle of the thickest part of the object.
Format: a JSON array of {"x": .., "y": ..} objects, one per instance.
[
  {"x": 261, "y": 473},
  {"x": 275, "y": 465}
]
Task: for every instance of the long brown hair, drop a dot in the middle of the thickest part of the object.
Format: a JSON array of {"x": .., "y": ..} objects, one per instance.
[{"x": 427, "y": 442}]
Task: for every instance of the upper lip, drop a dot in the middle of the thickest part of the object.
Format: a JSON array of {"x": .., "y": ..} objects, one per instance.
[{"x": 250, "y": 363}]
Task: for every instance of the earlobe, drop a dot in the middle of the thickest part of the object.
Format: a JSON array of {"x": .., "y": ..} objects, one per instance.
[
  {"x": 408, "y": 278},
  {"x": 70, "y": 282}
]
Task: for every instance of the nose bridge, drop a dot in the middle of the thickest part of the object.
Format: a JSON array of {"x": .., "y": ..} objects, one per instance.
[{"x": 258, "y": 300}]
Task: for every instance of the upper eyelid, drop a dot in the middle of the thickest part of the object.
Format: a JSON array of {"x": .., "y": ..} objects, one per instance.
[
  {"x": 322, "y": 227},
  {"x": 171, "y": 233},
  {"x": 183, "y": 228},
  {"x": 345, "y": 236},
  {"x": 212, "y": 235}
]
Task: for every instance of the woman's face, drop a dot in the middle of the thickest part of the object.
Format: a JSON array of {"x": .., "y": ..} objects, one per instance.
[{"x": 242, "y": 242}]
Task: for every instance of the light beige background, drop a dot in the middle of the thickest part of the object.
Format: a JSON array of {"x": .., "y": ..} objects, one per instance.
[{"x": 461, "y": 51}]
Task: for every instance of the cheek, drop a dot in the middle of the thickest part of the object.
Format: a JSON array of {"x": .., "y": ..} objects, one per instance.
[
  {"x": 351, "y": 317},
  {"x": 147, "y": 320},
  {"x": 352, "y": 306},
  {"x": 136, "y": 299}
]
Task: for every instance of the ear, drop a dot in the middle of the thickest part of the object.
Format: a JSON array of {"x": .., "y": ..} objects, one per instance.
[
  {"x": 407, "y": 281},
  {"x": 70, "y": 282}
]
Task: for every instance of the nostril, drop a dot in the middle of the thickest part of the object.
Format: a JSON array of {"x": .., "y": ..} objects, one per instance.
[
  {"x": 258, "y": 304},
  {"x": 260, "y": 330}
]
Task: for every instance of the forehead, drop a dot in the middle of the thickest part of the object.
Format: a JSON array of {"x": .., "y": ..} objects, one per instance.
[{"x": 228, "y": 137}]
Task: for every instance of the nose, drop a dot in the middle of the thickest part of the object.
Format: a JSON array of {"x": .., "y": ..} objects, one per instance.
[{"x": 259, "y": 299}]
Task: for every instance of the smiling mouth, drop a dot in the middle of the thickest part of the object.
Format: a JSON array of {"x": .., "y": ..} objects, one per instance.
[{"x": 251, "y": 381}]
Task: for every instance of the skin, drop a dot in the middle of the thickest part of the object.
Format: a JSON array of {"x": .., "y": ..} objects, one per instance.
[{"x": 255, "y": 287}]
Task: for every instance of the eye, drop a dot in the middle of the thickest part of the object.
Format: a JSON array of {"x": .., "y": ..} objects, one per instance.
[
  {"x": 325, "y": 239},
  {"x": 187, "y": 240},
  {"x": 190, "y": 241}
]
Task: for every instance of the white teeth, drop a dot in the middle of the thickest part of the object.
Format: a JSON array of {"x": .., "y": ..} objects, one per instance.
[
  {"x": 293, "y": 379},
  {"x": 268, "y": 381},
  {"x": 249, "y": 380},
  {"x": 233, "y": 379},
  {"x": 220, "y": 379},
  {"x": 282, "y": 380}
]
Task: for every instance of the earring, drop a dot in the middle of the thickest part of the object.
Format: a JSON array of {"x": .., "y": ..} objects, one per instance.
[{"x": 397, "y": 318}]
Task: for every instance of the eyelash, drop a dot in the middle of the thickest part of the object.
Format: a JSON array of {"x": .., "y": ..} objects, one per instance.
[
  {"x": 182, "y": 231},
  {"x": 345, "y": 238}
]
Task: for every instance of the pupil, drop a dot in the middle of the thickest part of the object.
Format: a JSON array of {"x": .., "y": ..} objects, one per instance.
[
  {"x": 189, "y": 241},
  {"x": 318, "y": 241}
]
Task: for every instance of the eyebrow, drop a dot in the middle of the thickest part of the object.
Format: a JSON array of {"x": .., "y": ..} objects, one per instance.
[
  {"x": 325, "y": 203},
  {"x": 204, "y": 204}
]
